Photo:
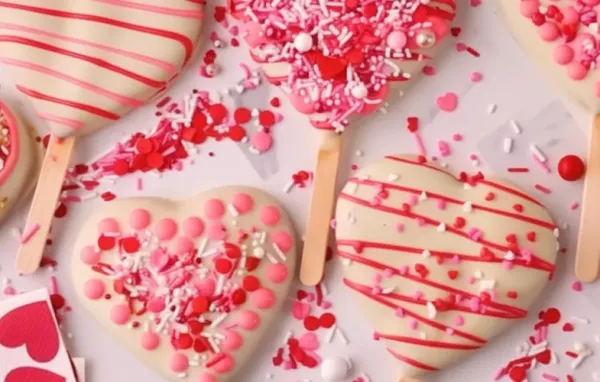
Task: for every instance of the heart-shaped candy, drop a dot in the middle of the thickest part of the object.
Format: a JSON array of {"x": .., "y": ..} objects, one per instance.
[
  {"x": 20, "y": 158},
  {"x": 562, "y": 38},
  {"x": 438, "y": 266},
  {"x": 189, "y": 287},
  {"x": 338, "y": 60},
  {"x": 84, "y": 64}
]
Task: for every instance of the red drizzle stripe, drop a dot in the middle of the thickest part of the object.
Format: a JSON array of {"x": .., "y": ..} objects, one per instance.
[
  {"x": 528, "y": 219},
  {"x": 483, "y": 181},
  {"x": 541, "y": 263},
  {"x": 93, "y": 60},
  {"x": 412, "y": 362},
  {"x": 76, "y": 105},
  {"x": 505, "y": 311},
  {"x": 183, "y": 40},
  {"x": 433, "y": 344}
]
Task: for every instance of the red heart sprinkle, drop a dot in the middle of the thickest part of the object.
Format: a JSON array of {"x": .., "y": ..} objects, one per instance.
[
  {"x": 544, "y": 357},
  {"x": 518, "y": 373},
  {"x": 511, "y": 238},
  {"x": 412, "y": 124},
  {"x": 301, "y": 295},
  {"x": 452, "y": 275},
  {"x": 490, "y": 196},
  {"x": 518, "y": 207},
  {"x": 551, "y": 316},
  {"x": 568, "y": 327},
  {"x": 422, "y": 270},
  {"x": 459, "y": 222},
  {"x": 330, "y": 67}
]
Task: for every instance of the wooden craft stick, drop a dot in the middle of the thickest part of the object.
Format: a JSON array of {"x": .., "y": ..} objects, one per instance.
[
  {"x": 45, "y": 199},
  {"x": 587, "y": 260},
  {"x": 321, "y": 209}
]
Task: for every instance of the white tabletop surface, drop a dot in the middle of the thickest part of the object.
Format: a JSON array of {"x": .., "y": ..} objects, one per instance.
[{"x": 510, "y": 81}]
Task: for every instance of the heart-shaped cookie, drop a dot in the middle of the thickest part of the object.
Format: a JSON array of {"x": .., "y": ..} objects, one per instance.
[
  {"x": 84, "y": 64},
  {"x": 20, "y": 158},
  {"x": 341, "y": 59},
  {"x": 440, "y": 265},
  {"x": 189, "y": 287},
  {"x": 562, "y": 38}
]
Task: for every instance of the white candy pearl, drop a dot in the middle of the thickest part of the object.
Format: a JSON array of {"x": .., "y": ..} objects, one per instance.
[
  {"x": 334, "y": 369},
  {"x": 303, "y": 42},
  {"x": 360, "y": 91}
]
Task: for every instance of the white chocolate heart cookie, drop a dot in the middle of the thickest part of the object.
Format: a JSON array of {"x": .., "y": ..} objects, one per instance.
[
  {"x": 85, "y": 64},
  {"x": 340, "y": 59},
  {"x": 440, "y": 265},
  {"x": 563, "y": 38},
  {"x": 20, "y": 158},
  {"x": 189, "y": 287}
]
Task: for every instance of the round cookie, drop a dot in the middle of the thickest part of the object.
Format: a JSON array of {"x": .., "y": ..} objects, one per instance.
[
  {"x": 190, "y": 287},
  {"x": 20, "y": 158},
  {"x": 440, "y": 265}
]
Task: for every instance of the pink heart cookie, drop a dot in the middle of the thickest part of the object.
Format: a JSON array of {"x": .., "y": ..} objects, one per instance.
[
  {"x": 562, "y": 38},
  {"x": 84, "y": 64},
  {"x": 471, "y": 258},
  {"x": 20, "y": 158},
  {"x": 190, "y": 287}
]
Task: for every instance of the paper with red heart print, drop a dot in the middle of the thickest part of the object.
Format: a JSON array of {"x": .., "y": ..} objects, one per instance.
[
  {"x": 190, "y": 287},
  {"x": 340, "y": 60},
  {"x": 440, "y": 265},
  {"x": 31, "y": 347},
  {"x": 561, "y": 37},
  {"x": 85, "y": 64}
]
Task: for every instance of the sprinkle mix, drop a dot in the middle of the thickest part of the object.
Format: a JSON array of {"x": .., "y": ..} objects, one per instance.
[{"x": 5, "y": 140}]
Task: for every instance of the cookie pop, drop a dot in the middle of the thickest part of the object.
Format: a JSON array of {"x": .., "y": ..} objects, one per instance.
[
  {"x": 338, "y": 60},
  {"x": 83, "y": 65},
  {"x": 563, "y": 38}
]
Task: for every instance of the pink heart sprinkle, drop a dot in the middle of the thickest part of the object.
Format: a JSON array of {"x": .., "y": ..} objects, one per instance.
[
  {"x": 448, "y": 102},
  {"x": 413, "y": 325},
  {"x": 476, "y": 77},
  {"x": 308, "y": 341},
  {"x": 459, "y": 320},
  {"x": 399, "y": 312},
  {"x": 441, "y": 204},
  {"x": 399, "y": 227},
  {"x": 300, "y": 310},
  {"x": 310, "y": 297},
  {"x": 404, "y": 270}
]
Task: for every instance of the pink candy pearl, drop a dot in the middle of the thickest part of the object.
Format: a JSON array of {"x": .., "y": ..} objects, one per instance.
[
  {"x": 529, "y": 7},
  {"x": 396, "y": 40},
  {"x": 549, "y": 32},
  {"x": 577, "y": 71},
  {"x": 179, "y": 362},
  {"x": 563, "y": 54}
]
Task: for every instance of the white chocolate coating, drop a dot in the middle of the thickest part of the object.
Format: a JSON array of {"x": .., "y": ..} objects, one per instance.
[
  {"x": 22, "y": 166},
  {"x": 585, "y": 91},
  {"x": 84, "y": 64},
  {"x": 158, "y": 360},
  {"x": 434, "y": 293}
]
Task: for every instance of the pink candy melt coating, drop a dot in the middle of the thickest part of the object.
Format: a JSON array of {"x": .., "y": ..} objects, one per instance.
[
  {"x": 165, "y": 229},
  {"x": 270, "y": 216},
  {"x": 232, "y": 341},
  {"x": 89, "y": 256},
  {"x": 139, "y": 218},
  {"x": 181, "y": 245},
  {"x": 94, "y": 289},
  {"x": 120, "y": 314},
  {"x": 563, "y": 54},
  {"x": 225, "y": 365},
  {"x": 193, "y": 227},
  {"x": 108, "y": 225},
  {"x": 248, "y": 320},
  {"x": 243, "y": 202},
  {"x": 263, "y": 298},
  {"x": 179, "y": 362},
  {"x": 214, "y": 209},
  {"x": 149, "y": 341},
  {"x": 277, "y": 273},
  {"x": 283, "y": 241}
]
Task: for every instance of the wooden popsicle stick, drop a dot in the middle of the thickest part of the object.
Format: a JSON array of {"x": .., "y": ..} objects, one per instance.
[
  {"x": 321, "y": 209},
  {"x": 587, "y": 260},
  {"x": 44, "y": 204}
]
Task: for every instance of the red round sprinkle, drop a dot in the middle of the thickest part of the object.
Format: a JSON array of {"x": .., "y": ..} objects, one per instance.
[
  {"x": 185, "y": 341},
  {"x": 200, "y": 304},
  {"x": 238, "y": 297},
  {"x": 531, "y": 236},
  {"x": 266, "y": 118},
  {"x": 275, "y": 102},
  {"x": 512, "y": 294},
  {"x": 251, "y": 283},
  {"x": 155, "y": 160},
  {"x": 327, "y": 320},
  {"x": 459, "y": 222},
  {"x": 120, "y": 167},
  {"x": 218, "y": 112},
  {"x": 242, "y": 115},
  {"x": 144, "y": 146},
  {"x": 223, "y": 266},
  {"x": 311, "y": 323},
  {"x": 518, "y": 207},
  {"x": 571, "y": 168},
  {"x": 490, "y": 196},
  {"x": 58, "y": 301},
  {"x": 130, "y": 244},
  {"x": 106, "y": 243},
  {"x": 236, "y": 133}
]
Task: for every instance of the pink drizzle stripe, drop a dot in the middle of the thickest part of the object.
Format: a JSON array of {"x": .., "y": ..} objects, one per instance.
[
  {"x": 72, "y": 123},
  {"x": 154, "y": 9},
  {"x": 168, "y": 67},
  {"x": 132, "y": 102}
]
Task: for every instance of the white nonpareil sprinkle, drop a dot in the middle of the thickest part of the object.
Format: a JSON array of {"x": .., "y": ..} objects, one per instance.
[
  {"x": 426, "y": 254},
  {"x": 423, "y": 196},
  {"x": 441, "y": 227},
  {"x": 492, "y": 108},
  {"x": 515, "y": 126},
  {"x": 508, "y": 145},
  {"x": 509, "y": 256},
  {"x": 556, "y": 233},
  {"x": 431, "y": 310},
  {"x": 467, "y": 186},
  {"x": 393, "y": 177},
  {"x": 388, "y": 290},
  {"x": 478, "y": 274},
  {"x": 423, "y": 335},
  {"x": 468, "y": 207},
  {"x": 487, "y": 285},
  {"x": 538, "y": 153}
]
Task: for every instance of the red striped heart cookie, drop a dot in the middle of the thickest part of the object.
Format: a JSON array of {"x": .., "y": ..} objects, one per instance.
[
  {"x": 86, "y": 63},
  {"x": 439, "y": 265}
]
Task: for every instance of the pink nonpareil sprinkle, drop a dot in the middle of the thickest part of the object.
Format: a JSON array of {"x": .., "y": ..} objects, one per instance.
[
  {"x": 450, "y": 331},
  {"x": 418, "y": 295},
  {"x": 444, "y": 148},
  {"x": 399, "y": 227},
  {"x": 457, "y": 137},
  {"x": 399, "y": 312},
  {"x": 404, "y": 270},
  {"x": 577, "y": 286},
  {"x": 455, "y": 259},
  {"x": 459, "y": 320},
  {"x": 420, "y": 222},
  {"x": 388, "y": 273},
  {"x": 413, "y": 324},
  {"x": 412, "y": 200},
  {"x": 471, "y": 280},
  {"x": 476, "y": 77},
  {"x": 508, "y": 265},
  {"x": 441, "y": 204}
]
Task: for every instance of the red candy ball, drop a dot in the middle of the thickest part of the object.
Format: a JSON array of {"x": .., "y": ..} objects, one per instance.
[{"x": 571, "y": 168}]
